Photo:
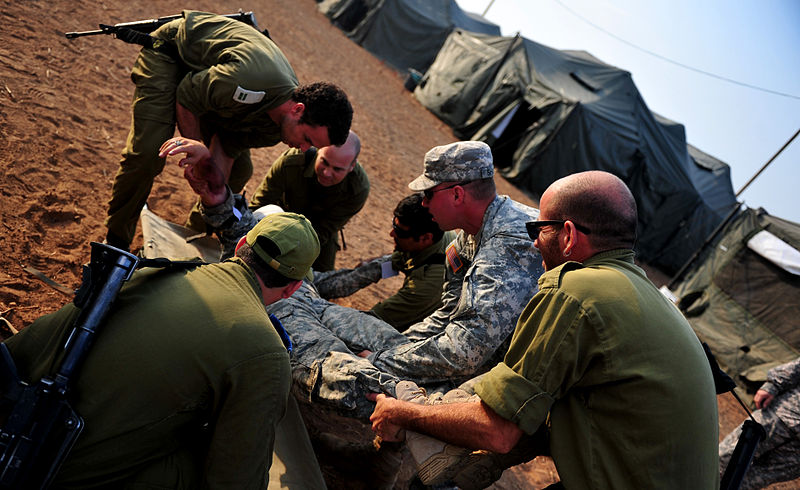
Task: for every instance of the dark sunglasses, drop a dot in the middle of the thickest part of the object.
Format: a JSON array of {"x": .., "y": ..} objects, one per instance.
[
  {"x": 428, "y": 193},
  {"x": 401, "y": 233},
  {"x": 534, "y": 227}
]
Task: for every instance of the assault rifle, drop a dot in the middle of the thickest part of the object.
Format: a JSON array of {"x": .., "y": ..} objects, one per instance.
[
  {"x": 129, "y": 30},
  {"x": 39, "y": 426}
]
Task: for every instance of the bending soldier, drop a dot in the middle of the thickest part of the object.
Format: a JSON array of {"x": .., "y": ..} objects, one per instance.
[{"x": 224, "y": 83}]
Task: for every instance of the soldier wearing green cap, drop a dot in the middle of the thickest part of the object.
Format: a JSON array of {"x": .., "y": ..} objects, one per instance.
[{"x": 189, "y": 377}]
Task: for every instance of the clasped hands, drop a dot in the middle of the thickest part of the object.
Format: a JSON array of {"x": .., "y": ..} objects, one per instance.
[{"x": 204, "y": 176}]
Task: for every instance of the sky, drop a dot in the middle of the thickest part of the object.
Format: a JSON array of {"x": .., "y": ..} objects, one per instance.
[{"x": 753, "y": 42}]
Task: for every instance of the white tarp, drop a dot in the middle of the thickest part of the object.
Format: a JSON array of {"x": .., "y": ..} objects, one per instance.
[{"x": 776, "y": 251}]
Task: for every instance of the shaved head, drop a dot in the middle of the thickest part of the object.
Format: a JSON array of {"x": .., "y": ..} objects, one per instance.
[{"x": 599, "y": 201}]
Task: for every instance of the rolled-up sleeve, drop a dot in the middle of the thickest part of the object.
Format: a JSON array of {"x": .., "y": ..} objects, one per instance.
[{"x": 515, "y": 398}]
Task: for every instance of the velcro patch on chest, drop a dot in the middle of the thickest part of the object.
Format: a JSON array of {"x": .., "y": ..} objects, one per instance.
[
  {"x": 453, "y": 260},
  {"x": 245, "y": 96}
]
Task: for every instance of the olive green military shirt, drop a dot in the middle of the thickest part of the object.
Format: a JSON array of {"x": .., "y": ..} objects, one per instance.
[
  {"x": 421, "y": 292},
  {"x": 183, "y": 387},
  {"x": 291, "y": 183},
  {"x": 236, "y": 75},
  {"x": 621, "y": 374}
]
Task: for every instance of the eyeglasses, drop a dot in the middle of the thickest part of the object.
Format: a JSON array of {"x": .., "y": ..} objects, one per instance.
[
  {"x": 534, "y": 227},
  {"x": 401, "y": 233},
  {"x": 428, "y": 193}
]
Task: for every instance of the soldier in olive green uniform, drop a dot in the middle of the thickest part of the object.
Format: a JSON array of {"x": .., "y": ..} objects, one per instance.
[
  {"x": 224, "y": 83},
  {"x": 188, "y": 379},
  {"x": 419, "y": 255},
  {"x": 327, "y": 186}
]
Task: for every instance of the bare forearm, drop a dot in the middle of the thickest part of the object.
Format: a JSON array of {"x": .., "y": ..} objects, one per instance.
[
  {"x": 189, "y": 126},
  {"x": 188, "y": 123},
  {"x": 223, "y": 161},
  {"x": 473, "y": 425}
]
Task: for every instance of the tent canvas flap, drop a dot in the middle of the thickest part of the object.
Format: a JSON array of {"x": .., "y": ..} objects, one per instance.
[{"x": 776, "y": 251}]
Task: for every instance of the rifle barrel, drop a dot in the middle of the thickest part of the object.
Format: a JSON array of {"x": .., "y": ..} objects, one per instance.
[{"x": 73, "y": 35}]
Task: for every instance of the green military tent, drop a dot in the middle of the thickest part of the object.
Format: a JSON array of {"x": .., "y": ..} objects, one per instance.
[
  {"x": 742, "y": 295},
  {"x": 548, "y": 113},
  {"x": 346, "y": 14},
  {"x": 406, "y": 34}
]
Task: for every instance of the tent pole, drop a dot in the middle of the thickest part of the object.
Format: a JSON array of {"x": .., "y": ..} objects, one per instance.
[
  {"x": 729, "y": 216},
  {"x": 487, "y": 8},
  {"x": 770, "y": 161}
]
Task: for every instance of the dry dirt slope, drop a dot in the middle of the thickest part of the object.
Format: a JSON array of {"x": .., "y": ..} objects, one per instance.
[{"x": 64, "y": 114}]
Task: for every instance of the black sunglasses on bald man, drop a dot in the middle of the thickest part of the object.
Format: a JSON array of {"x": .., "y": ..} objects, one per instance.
[{"x": 534, "y": 227}]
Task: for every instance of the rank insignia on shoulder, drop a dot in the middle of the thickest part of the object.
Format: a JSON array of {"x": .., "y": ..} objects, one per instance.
[
  {"x": 453, "y": 260},
  {"x": 248, "y": 96}
]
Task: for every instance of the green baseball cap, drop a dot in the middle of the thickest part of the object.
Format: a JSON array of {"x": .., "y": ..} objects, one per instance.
[{"x": 294, "y": 238}]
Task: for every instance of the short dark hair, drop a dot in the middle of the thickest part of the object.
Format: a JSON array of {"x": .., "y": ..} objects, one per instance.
[
  {"x": 610, "y": 214},
  {"x": 325, "y": 105},
  {"x": 410, "y": 212},
  {"x": 271, "y": 277},
  {"x": 481, "y": 189}
]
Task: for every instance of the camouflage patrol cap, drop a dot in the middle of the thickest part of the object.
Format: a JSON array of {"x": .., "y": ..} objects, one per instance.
[
  {"x": 293, "y": 237},
  {"x": 462, "y": 161}
]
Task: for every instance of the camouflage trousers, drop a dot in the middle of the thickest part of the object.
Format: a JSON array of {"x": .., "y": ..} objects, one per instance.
[
  {"x": 776, "y": 458},
  {"x": 327, "y": 337}
]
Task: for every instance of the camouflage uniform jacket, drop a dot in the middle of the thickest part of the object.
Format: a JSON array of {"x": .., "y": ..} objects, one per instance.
[
  {"x": 783, "y": 382},
  {"x": 490, "y": 278},
  {"x": 775, "y": 458},
  {"x": 231, "y": 219},
  {"x": 419, "y": 296}
]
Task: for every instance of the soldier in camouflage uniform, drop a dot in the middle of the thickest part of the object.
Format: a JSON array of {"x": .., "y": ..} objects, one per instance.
[
  {"x": 341, "y": 354},
  {"x": 778, "y": 402}
]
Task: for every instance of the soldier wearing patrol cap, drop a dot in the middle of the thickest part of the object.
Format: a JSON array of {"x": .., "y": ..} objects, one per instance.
[
  {"x": 222, "y": 82},
  {"x": 491, "y": 272},
  {"x": 189, "y": 377}
]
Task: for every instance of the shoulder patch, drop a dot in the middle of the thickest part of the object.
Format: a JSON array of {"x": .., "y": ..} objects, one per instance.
[
  {"x": 245, "y": 96},
  {"x": 453, "y": 260}
]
